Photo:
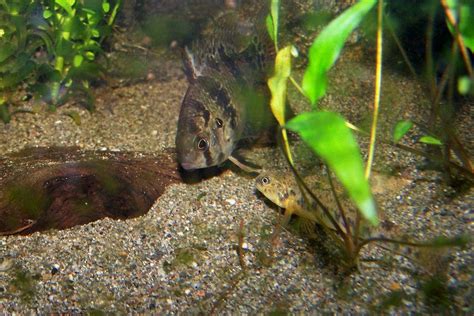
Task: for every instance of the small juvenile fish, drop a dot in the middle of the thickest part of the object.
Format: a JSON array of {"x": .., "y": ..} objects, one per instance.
[
  {"x": 282, "y": 189},
  {"x": 227, "y": 98}
]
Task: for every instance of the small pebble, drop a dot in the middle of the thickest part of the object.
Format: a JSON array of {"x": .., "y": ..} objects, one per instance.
[{"x": 231, "y": 201}]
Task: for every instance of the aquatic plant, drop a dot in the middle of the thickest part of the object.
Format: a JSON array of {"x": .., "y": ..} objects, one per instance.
[
  {"x": 329, "y": 135},
  {"x": 440, "y": 91},
  {"x": 52, "y": 46}
]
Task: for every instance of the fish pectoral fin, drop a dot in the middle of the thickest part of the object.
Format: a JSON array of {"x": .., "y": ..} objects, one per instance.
[
  {"x": 286, "y": 217},
  {"x": 245, "y": 166}
]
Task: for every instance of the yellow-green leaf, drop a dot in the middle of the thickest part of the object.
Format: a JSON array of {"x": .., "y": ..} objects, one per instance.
[
  {"x": 430, "y": 140},
  {"x": 278, "y": 83}
]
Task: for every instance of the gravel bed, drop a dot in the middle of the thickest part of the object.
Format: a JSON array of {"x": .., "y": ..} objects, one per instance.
[{"x": 181, "y": 257}]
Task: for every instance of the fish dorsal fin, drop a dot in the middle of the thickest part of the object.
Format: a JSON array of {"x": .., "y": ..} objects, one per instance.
[{"x": 193, "y": 67}]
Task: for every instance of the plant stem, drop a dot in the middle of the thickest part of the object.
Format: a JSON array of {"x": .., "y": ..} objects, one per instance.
[
  {"x": 338, "y": 203},
  {"x": 378, "y": 84},
  {"x": 326, "y": 212},
  {"x": 297, "y": 86},
  {"x": 112, "y": 16},
  {"x": 429, "y": 54},
  {"x": 457, "y": 35},
  {"x": 400, "y": 47},
  {"x": 398, "y": 242}
]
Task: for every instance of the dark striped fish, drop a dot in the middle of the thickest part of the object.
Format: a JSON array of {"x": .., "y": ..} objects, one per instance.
[{"x": 227, "y": 99}]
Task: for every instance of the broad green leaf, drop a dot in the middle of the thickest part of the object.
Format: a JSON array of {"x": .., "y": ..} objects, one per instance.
[
  {"x": 329, "y": 137},
  {"x": 278, "y": 83},
  {"x": 401, "y": 129},
  {"x": 430, "y": 140},
  {"x": 326, "y": 48}
]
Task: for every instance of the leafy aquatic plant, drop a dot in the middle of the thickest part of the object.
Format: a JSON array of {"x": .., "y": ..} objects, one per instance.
[
  {"x": 18, "y": 43},
  {"x": 327, "y": 133},
  {"x": 77, "y": 29},
  {"x": 52, "y": 47}
]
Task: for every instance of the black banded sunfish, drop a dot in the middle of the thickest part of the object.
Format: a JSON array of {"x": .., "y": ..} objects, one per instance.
[{"x": 227, "y": 98}]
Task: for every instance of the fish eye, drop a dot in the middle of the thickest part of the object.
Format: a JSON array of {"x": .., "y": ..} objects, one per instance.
[
  {"x": 265, "y": 180},
  {"x": 202, "y": 144},
  {"x": 219, "y": 123}
]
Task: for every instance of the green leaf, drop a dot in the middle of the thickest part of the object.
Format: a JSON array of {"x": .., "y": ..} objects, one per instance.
[
  {"x": 465, "y": 85},
  {"x": 77, "y": 60},
  {"x": 269, "y": 25},
  {"x": 95, "y": 33},
  {"x": 75, "y": 117},
  {"x": 90, "y": 55},
  {"x": 329, "y": 137},
  {"x": 327, "y": 46},
  {"x": 66, "y": 5},
  {"x": 430, "y": 140},
  {"x": 7, "y": 49},
  {"x": 462, "y": 241},
  {"x": 274, "y": 11},
  {"x": 278, "y": 83},
  {"x": 401, "y": 129},
  {"x": 47, "y": 14},
  {"x": 106, "y": 6}
]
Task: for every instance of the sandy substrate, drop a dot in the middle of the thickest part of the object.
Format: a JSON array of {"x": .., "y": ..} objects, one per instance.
[{"x": 182, "y": 255}]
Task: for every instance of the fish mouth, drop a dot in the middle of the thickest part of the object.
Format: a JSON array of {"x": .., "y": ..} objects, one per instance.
[{"x": 187, "y": 166}]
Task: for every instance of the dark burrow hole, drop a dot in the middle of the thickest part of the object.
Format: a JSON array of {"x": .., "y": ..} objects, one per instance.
[{"x": 58, "y": 188}]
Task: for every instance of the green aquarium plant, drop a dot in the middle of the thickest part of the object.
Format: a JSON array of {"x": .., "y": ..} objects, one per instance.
[
  {"x": 19, "y": 40},
  {"x": 328, "y": 134},
  {"x": 77, "y": 29},
  {"x": 51, "y": 46}
]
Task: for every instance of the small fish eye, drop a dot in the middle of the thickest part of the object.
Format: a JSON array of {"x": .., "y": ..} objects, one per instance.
[
  {"x": 265, "y": 180},
  {"x": 219, "y": 123},
  {"x": 202, "y": 144}
]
